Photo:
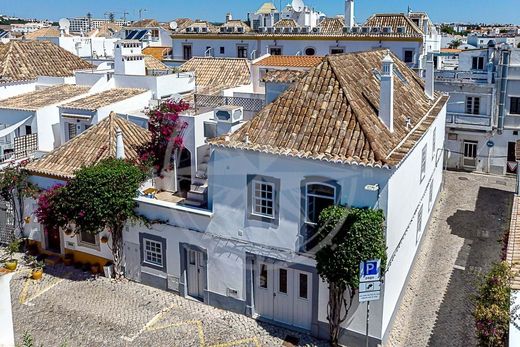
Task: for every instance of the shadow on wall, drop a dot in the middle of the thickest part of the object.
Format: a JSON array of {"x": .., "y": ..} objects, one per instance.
[{"x": 482, "y": 231}]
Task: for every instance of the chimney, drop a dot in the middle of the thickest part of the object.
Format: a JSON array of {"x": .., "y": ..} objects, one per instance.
[
  {"x": 120, "y": 147},
  {"x": 429, "y": 83},
  {"x": 386, "y": 102},
  {"x": 349, "y": 13},
  {"x": 229, "y": 17}
]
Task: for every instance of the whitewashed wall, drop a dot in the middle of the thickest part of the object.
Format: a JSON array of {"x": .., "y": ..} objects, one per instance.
[{"x": 8, "y": 90}]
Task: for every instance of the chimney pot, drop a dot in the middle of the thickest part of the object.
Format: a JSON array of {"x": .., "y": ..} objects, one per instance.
[
  {"x": 120, "y": 147},
  {"x": 429, "y": 84},
  {"x": 386, "y": 101}
]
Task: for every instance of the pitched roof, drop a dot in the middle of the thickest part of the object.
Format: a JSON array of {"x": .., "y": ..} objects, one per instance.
[
  {"x": 331, "y": 114},
  {"x": 266, "y": 8},
  {"x": 90, "y": 147},
  {"x": 102, "y": 99},
  {"x": 236, "y": 23},
  {"x": 43, "y": 32},
  {"x": 282, "y": 76},
  {"x": 152, "y": 63},
  {"x": 26, "y": 60},
  {"x": 332, "y": 26},
  {"x": 106, "y": 30},
  {"x": 145, "y": 23},
  {"x": 394, "y": 20},
  {"x": 286, "y": 23},
  {"x": 33, "y": 101},
  {"x": 290, "y": 61},
  {"x": 200, "y": 24},
  {"x": 157, "y": 52},
  {"x": 215, "y": 74}
]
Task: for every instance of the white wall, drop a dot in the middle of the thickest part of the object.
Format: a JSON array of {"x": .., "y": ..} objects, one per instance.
[
  {"x": 6, "y": 312},
  {"x": 161, "y": 86},
  {"x": 8, "y": 90}
]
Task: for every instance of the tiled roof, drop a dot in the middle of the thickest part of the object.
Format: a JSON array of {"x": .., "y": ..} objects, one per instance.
[
  {"x": 331, "y": 114},
  {"x": 152, "y": 63},
  {"x": 215, "y": 74},
  {"x": 145, "y": 23},
  {"x": 332, "y": 26},
  {"x": 43, "y": 32},
  {"x": 90, "y": 147},
  {"x": 394, "y": 21},
  {"x": 266, "y": 8},
  {"x": 33, "y": 101},
  {"x": 282, "y": 76},
  {"x": 102, "y": 99},
  {"x": 236, "y": 23},
  {"x": 106, "y": 30},
  {"x": 26, "y": 60},
  {"x": 286, "y": 23},
  {"x": 513, "y": 245},
  {"x": 290, "y": 61},
  {"x": 157, "y": 52},
  {"x": 200, "y": 24}
]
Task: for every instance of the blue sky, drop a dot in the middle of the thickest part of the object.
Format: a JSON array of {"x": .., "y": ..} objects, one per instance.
[{"x": 489, "y": 11}]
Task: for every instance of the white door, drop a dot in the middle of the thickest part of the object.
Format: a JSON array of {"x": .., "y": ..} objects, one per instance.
[
  {"x": 283, "y": 295},
  {"x": 470, "y": 154},
  {"x": 196, "y": 273}
]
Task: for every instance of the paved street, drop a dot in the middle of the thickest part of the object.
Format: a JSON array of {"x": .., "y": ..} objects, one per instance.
[
  {"x": 71, "y": 308},
  {"x": 463, "y": 240}
]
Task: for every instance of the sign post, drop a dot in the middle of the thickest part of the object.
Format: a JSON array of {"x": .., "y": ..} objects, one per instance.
[{"x": 369, "y": 285}]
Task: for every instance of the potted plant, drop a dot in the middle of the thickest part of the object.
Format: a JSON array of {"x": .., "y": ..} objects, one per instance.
[
  {"x": 68, "y": 259},
  {"x": 37, "y": 267},
  {"x": 10, "y": 262},
  {"x": 104, "y": 239}
]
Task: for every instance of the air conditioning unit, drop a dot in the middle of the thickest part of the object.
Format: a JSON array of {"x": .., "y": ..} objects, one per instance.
[
  {"x": 229, "y": 114},
  {"x": 387, "y": 30},
  {"x": 375, "y": 30},
  {"x": 401, "y": 30},
  {"x": 365, "y": 30},
  {"x": 189, "y": 29},
  {"x": 316, "y": 30},
  {"x": 355, "y": 30},
  {"x": 304, "y": 30}
]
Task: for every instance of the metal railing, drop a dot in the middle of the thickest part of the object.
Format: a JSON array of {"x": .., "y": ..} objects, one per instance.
[
  {"x": 468, "y": 119},
  {"x": 212, "y": 101},
  {"x": 23, "y": 147},
  {"x": 462, "y": 76}
]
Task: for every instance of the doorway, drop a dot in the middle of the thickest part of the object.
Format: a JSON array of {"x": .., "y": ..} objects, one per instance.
[
  {"x": 196, "y": 272},
  {"x": 469, "y": 160},
  {"x": 512, "y": 165},
  {"x": 53, "y": 240}
]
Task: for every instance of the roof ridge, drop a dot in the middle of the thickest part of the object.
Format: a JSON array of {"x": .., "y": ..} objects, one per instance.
[{"x": 371, "y": 140}]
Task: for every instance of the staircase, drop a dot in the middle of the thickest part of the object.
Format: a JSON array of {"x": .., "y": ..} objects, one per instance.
[{"x": 198, "y": 194}]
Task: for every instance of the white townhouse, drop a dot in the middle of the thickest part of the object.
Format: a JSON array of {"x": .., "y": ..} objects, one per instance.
[
  {"x": 482, "y": 121},
  {"x": 148, "y": 31},
  {"x": 353, "y": 120}
]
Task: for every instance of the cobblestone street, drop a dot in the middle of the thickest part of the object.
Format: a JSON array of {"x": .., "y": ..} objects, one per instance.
[
  {"x": 70, "y": 308},
  {"x": 463, "y": 240}
]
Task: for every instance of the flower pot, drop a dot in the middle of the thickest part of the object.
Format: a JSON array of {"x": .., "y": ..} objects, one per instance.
[
  {"x": 94, "y": 269},
  {"x": 104, "y": 239},
  {"x": 11, "y": 264},
  {"x": 37, "y": 274}
]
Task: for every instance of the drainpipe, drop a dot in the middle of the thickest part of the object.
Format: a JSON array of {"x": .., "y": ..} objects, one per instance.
[{"x": 504, "y": 73}]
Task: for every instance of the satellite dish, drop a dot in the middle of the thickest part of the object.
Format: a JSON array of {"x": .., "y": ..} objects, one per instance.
[
  {"x": 64, "y": 23},
  {"x": 297, "y": 5},
  {"x": 174, "y": 25}
]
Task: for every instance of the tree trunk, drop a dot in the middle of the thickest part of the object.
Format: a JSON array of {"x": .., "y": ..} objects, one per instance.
[
  {"x": 335, "y": 307},
  {"x": 117, "y": 250}
]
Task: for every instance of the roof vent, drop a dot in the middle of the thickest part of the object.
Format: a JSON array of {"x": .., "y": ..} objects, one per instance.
[{"x": 408, "y": 124}]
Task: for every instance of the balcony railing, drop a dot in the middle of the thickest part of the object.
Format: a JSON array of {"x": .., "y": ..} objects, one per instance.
[
  {"x": 23, "y": 147},
  {"x": 468, "y": 119},
  {"x": 461, "y": 76},
  {"x": 212, "y": 101}
]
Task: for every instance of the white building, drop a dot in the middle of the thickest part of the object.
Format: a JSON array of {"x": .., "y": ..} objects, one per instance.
[
  {"x": 28, "y": 27},
  {"x": 148, "y": 31},
  {"x": 268, "y": 15},
  {"x": 270, "y": 178},
  {"x": 85, "y": 24}
]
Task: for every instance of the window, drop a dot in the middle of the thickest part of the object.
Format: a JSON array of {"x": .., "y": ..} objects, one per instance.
[
  {"x": 242, "y": 51},
  {"x": 430, "y": 196},
  {"x": 153, "y": 252},
  {"x": 478, "y": 63},
  {"x": 336, "y": 50},
  {"x": 419, "y": 224},
  {"x": 423, "y": 161},
  {"x": 263, "y": 199},
  {"x": 71, "y": 130},
  {"x": 319, "y": 197},
  {"x": 282, "y": 283},
  {"x": 408, "y": 56},
  {"x": 186, "y": 52},
  {"x": 263, "y": 276},
  {"x": 275, "y": 51},
  {"x": 310, "y": 51},
  {"x": 303, "y": 279},
  {"x": 28, "y": 130},
  {"x": 473, "y": 105},
  {"x": 88, "y": 238},
  {"x": 434, "y": 144},
  {"x": 222, "y": 50},
  {"x": 515, "y": 105},
  {"x": 155, "y": 33}
]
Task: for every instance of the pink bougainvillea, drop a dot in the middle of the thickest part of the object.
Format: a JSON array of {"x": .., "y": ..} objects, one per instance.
[
  {"x": 47, "y": 208},
  {"x": 166, "y": 135}
]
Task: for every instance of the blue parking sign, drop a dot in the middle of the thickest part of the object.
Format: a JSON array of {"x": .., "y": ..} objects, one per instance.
[{"x": 370, "y": 270}]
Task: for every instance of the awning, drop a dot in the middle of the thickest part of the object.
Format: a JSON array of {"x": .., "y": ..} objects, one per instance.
[
  {"x": 11, "y": 128},
  {"x": 76, "y": 116}
]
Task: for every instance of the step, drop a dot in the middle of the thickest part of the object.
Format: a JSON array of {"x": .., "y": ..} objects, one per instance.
[
  {"x": 201, "y": 174},
  {"x": 194, "y": 203},
  {"x": 195, "y": 196},
  {"x": 199, "y": 188}
]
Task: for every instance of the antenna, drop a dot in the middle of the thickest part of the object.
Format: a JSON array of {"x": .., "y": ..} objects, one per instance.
[
  {"x": 297, "y": 5},
  {"x": 173, "y": 25},
  {"x": 141, "y": 10}
]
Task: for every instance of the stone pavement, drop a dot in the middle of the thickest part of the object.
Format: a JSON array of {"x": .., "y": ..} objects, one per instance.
[
  {"x": 71, "y": 308},
  {"x": 463, "y": 240}
]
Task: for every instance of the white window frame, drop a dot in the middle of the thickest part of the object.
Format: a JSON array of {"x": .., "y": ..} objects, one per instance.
[
  {"x": 424, "y": 154},
  {"x": 470, "y": 100},
  {"x": 87, "y": 244},
  {"x": 146, "y": 252},
  {"x": 307, "y": 220},
  {"x": 254, "y": 199}
]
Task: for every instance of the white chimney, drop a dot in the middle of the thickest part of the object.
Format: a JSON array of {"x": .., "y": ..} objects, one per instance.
[
  {"x": 120, "y": 147},
  {"x": 386, "y": 102},
  {"x": 429, "y": 83},
  {"x": 229, "y": 17},
  {"x": 349, "y": 13}
]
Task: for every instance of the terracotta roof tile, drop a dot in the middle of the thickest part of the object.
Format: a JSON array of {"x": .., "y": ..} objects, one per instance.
[
  {"x": 106, "y": 98},
  {"x": 290, "y": 61},
  {"x": 44, "y": 32},
  {"x": 215, "y": 74},
  {"x": 152, "y": 63},
  {"x": 32, "y": 101},
  {"x": 26, "y": 60},
  {"x": 331, "y": 114},
  {"x": 157, "y": 52},
  {"x": 236, "y": 23},
  {"x": 282, "y": 76},
  {"x": 286, "y": 23},
  {"x": 91, "y": 146},
  {"x": 332, "y": 26},
  {"x": 394, "y": 21},
  {"x": 145, "y": 23}
]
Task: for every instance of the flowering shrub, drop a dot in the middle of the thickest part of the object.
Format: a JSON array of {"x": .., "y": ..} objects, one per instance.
[
  {"x": 50, "y": 208},
  {"x": 166, "y": 131},
  {"x": 492, "y": 309}
]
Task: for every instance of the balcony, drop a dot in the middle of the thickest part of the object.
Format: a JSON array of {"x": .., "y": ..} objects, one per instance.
[
  {"x": 461, "y": 76},
  {"x": 468, "y": 121},
  {"x": 22, "y": 147},
  {"x": 212, "y": 101}
]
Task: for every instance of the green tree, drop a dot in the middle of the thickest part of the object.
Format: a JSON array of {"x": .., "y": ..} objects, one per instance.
[
  {"x": 349, "y": 236},
  {"x": 455, "y": 44}
]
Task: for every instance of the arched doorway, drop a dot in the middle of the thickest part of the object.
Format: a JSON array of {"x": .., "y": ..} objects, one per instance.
[{"x": 184, "y": 173}]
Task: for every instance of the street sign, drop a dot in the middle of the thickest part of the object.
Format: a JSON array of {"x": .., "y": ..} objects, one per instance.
[
  {"x": 490, "y": 144},
  {"x": 370, "y": 270},
  {"x": 369, "y": 286},
  {"x": 369, "y": 296}
]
